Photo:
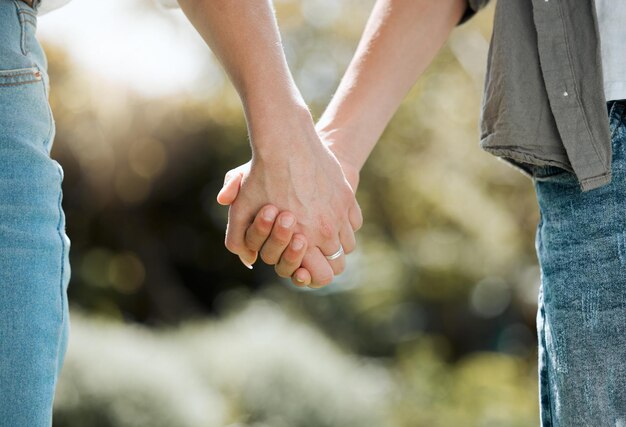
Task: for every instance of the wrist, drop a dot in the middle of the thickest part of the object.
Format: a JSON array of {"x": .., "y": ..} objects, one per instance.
[
  {"x": 271, "y": 103},
  {"x": 281, "y": 131},
  {"x": 343, "y": 144},
  {"x": 338, "y": 142}
]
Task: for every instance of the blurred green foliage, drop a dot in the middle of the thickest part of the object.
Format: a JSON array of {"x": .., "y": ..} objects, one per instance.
[
  {"x": 235, "y": 373},
  {"x": 432, "y": 323}
]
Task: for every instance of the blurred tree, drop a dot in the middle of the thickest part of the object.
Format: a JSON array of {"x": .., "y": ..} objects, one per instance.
[{"x": 447, "y": 252}]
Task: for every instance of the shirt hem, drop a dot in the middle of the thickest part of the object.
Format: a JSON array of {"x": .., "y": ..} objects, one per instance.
[{"x": 522, "y": 161}]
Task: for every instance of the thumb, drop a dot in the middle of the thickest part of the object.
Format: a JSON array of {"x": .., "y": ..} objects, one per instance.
[{"x": 230, "y": 190}]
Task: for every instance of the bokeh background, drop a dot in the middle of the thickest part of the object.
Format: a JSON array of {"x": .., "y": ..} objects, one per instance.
[{"x": 432, "y": 324}]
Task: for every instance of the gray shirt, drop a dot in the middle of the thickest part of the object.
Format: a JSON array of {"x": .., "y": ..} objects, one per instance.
[
  {"x": 543, "y": 100},
  {"x": 612, "y": 27}
]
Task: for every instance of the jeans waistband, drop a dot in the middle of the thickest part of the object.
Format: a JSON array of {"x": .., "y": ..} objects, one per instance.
[
  {"x": 616, "y": 111},
  {"x": 23, "y": 5}
]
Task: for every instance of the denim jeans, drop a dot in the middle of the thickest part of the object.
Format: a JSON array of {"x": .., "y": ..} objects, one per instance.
[
  {"x": 34, "y": 267},
  {"x": 581, "y": 320}
]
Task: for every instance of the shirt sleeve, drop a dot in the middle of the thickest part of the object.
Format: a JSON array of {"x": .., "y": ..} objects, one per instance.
[{"x": 472, "y": 7}]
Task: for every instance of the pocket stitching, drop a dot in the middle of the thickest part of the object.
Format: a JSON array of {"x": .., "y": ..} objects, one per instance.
[
  {"x": 6, "y": 75},
  {"x": 24, "y": 16}
]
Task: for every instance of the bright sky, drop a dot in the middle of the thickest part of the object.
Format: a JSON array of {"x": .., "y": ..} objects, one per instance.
[{"x": 153, "y": 51}]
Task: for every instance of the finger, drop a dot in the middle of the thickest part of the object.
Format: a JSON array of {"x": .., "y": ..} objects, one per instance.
[
  {"x": 338, "y": 264},
  {"x": 230, "y": 190},
  {"x": 279, "y": 239},
  {"x": 261, "y": 228},
  {"x": 301, "y": 277},
  {"x": 355, "y": 216},
  {"x": 332, "y": 248},
  {"x": 347, "y": 239},
  {"x": 318, "y": 267},
  {"x": 235, "y": 236},
  {"x": 292, "y": 257}
]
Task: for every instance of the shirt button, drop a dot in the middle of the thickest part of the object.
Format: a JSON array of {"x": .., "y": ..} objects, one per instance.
[{"x": 565, "y": 94}]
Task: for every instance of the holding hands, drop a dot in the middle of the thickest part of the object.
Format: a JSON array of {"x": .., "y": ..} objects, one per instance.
[
  {"x": 293, "y": 203},
  {"x": 293, "y": 206}
]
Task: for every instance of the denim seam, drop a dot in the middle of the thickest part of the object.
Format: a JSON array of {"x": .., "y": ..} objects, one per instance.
[
  {"x": 619, "y": 121},
  {"x": 60, "y": 234},
  {"x": 611, "y": 117},
  {"x": 18, "y": 11},
  {"x": 29, "y": 82},
  {"x": 17, "y": 73},
  {"x": 26, "y": 12},
  {"x": 543, "y": 405},
  {"x": 59, "y": 206},
  {"x": 35, "y": 72}
]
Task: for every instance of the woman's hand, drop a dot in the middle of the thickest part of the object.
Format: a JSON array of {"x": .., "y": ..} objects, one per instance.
[{"x": 304, "y": 178}]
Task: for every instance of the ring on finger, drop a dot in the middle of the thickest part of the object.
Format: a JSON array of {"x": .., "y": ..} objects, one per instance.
[{"x": 336, "y": 254}]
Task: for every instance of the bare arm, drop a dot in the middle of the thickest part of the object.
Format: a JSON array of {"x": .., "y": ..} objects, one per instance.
[
  {"x": 244, "y": 36},
  {"x": 400, "y": 40},
  {"x": 290, "y": 167}
]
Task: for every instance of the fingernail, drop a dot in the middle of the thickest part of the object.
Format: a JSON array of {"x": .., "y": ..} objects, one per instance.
[
  {"x": 297, "y": 244},
  {"x": 248, "y": 264},
  {"x": 269, "y": 214},
  {"x": 287, "y": 221}
]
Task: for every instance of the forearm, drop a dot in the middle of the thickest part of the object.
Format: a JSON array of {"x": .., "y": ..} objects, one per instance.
[
  {"x": 399, "y": 42},
  {"x": 245, "y": 38}
]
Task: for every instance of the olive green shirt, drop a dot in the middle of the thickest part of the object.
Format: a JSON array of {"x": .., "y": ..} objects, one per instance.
[{"x": 543, "y": 100}]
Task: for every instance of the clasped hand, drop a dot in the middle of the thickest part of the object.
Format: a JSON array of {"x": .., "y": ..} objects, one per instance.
[{"x": 293, "y": 206}]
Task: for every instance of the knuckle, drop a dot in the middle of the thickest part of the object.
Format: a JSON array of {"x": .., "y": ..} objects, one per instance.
[
  {"x": 290, "y": 257},
  {"x": 359, "y": 223},
  {"x": 279, "y": 240},
  {"x": 281, "y": 271},
  {"x": 263, "y": 224},
  {"x": 252, "y": 243},
  {"x": 253, "y": 240},
  {"x": 339, "y": 269},
  {"x": 231, "y": 245},
  {"x": 324, "y": 280},
  {"x": 268, "y": 258},
  {"x": 327, "y": 230}
]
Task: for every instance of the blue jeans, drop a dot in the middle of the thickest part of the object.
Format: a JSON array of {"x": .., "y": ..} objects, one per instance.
[
  {"x": 34, "y": 267},
  {"x": 581, "y": 319}
]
